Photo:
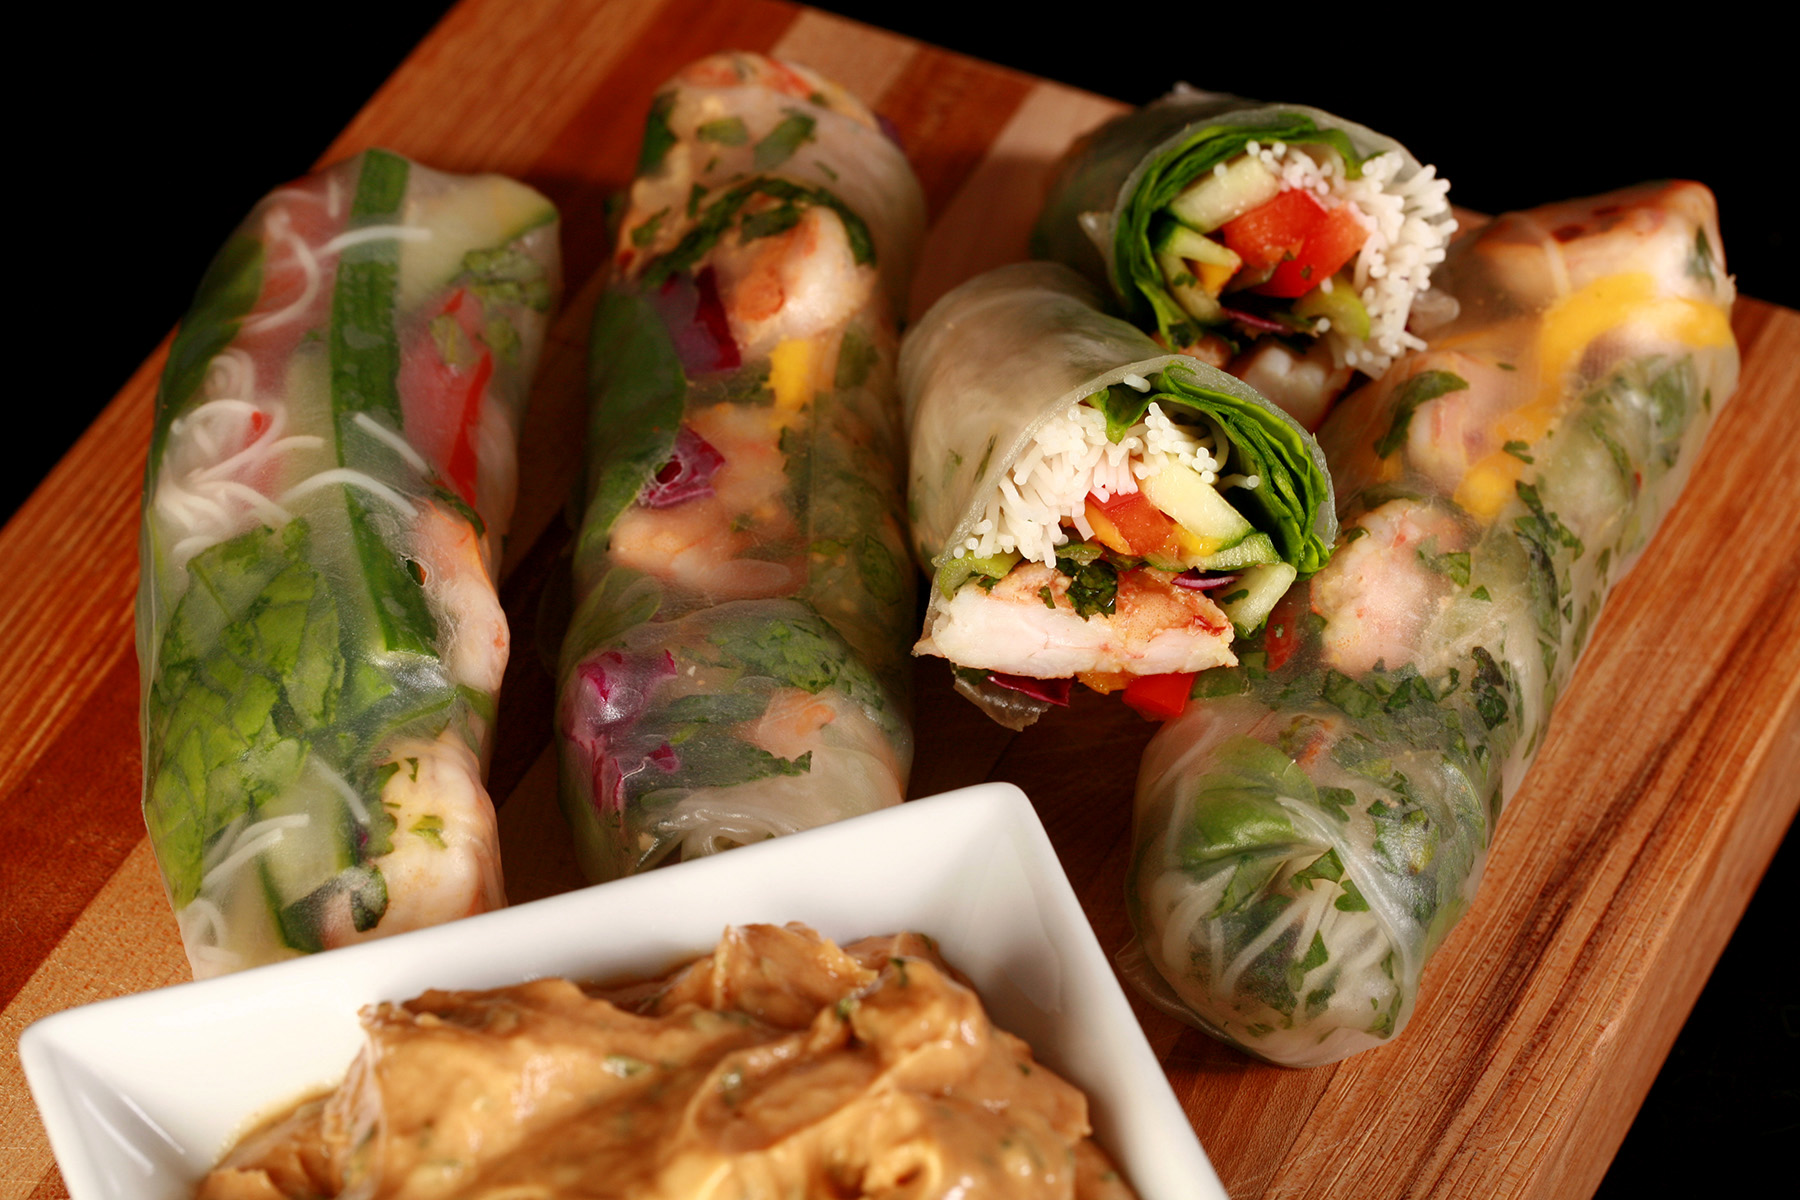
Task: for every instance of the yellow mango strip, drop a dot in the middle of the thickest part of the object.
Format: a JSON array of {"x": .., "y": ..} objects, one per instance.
[
  {"x": 792, "y": 365},
  {"x": 1568, "y": 328}
]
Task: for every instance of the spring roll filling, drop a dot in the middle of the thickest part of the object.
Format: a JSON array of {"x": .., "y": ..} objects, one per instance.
[
  {"x": 1283, "y": 240},
  {"x": 1111, "y": 548}
]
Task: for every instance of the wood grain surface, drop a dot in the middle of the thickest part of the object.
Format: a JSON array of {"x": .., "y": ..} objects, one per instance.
[{"x": 1618, "y": 872}]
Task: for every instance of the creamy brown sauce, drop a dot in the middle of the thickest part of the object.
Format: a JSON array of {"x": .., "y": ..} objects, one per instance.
[{"x": 778, "y": 1067}]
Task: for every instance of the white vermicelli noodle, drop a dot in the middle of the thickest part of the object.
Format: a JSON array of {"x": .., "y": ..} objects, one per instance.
[{"x": 1071, "y": 457}]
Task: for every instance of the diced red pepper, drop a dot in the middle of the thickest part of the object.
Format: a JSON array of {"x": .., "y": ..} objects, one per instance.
[
  {"x": 1145, "y": 527},
  {"x": 1269, "y": 235},
  {"x": 1159, "y": 697},
  {"x": 442, "y": 401},
  {"x": 1282, "y": 634},
  {"x": 1330, "y": 244}
]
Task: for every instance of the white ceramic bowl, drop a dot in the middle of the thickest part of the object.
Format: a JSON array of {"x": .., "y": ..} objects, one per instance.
[{"x": 141, "y": 1095}]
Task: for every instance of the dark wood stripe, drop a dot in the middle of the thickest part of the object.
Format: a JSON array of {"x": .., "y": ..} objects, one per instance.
[
  {"x": 536, "y": 598},
  {"x": 953, "y": 107},
  {"x": 592, "y": 157},
  {"x": 70, "y": 823}
]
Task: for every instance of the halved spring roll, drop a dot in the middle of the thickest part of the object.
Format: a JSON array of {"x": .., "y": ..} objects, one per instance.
[
  {"x": 1239, "y": 232},
  {"x": 331, "y": 471},
  {"x": 1306, "y": 839},
  {"x": 1091, "y": 508},
  {"x": 735, "y": 669}
]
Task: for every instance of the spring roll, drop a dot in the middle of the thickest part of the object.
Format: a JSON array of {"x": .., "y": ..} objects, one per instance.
[
  {"x": 1279, "y": 241},
  {"x": 1307, "y": 837},
  {"x": 1090, "y": 507},
  {"x": 331, "y": 470},
  {"x": 735, "y": 668}
]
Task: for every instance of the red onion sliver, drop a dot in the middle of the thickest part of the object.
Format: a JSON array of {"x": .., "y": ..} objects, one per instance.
[
  {"x": 1051, "y": 691},
  {"x": 1205, "y": 583}
]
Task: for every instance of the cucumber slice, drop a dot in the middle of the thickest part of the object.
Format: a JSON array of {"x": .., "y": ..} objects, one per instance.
[
  {"x": 957, "y": 571},
  {"x": 1184, "y": 285},
  {"x": 1219, "y": 196},
  {"x": 1211, "y": 263},
  {"x": 1341, "y": 305},
  {"x": 1249, "y": 601},
  {"x": 472, "y": 214},
  {"x": 1254, "y": 550},
  {"x": 1196, "y": 506}
]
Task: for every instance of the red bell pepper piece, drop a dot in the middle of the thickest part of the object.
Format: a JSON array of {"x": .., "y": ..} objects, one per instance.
[
  {"x": 1159, "y": 697},
  {"x": 1282, "y": 633},
  {"x": 1145, "y": 528},
  {"x": 1276, "y": 232},
  {"x": 1330, "y": 244}
]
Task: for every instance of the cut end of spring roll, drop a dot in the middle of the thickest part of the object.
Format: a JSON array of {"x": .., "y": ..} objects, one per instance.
[
  {"x": 1229, "y": 228},
  {"x": 1090, "y": 509}
]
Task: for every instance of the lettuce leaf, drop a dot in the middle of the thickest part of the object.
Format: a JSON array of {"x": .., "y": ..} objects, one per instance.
[{"x": 1295, "y": 492}]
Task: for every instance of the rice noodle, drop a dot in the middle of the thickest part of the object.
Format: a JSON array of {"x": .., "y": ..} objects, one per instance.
[{"x": 1071, "y": 457}]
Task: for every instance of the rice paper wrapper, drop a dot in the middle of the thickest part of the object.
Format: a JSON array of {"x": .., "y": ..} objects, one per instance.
[
  {"x": 996, "y": 360},
  {"x": 1308, "y": 835},
  {"x": 321, "y": 646},
  {"x": 736, "y": 665}
]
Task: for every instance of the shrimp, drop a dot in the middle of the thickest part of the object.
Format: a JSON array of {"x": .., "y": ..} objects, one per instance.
[
  {"x": 1304, "y": 386},
  {"x": 795, "y": 284},
  {"x": 1379, "y": 591},
  {"x": 454, "y": 561},
  {"x": 445, "y": 861},
  {"x": 1451, "y": 433},
  {"x": 1561, "y": 248},
  {"x": 703, "y": 543},
  {"x": 1028, "y": 626},
  {"x": 790, "y": 726}
]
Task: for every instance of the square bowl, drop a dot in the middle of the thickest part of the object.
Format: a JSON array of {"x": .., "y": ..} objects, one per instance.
[{"x": 142, "y": 1094}]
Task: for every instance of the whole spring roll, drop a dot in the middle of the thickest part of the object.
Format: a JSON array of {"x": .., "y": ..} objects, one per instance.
[
  {"x": 735, "y": 668},
  {"x": 1090, "y": 507},
  {"x": 331, "y": 470},
  {"x": 1306, "y": 838},
  {"x": 1239, "y": 232}
]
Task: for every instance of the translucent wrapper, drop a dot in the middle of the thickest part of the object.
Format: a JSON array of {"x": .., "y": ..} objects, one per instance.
[
  {"x": 319, "y": 638},
  {"x": 1307, "y": 836},
  {"x": 1108, "y": 207},
  {"x": 735, "y": 668},
  {"x": 1003, "y": 355}
]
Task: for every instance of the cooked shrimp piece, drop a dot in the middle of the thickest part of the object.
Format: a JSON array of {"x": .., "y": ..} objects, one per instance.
[
  {"x": 445, "y": 862},
  {"x": 1561, "y": 248},
  {"x": 1155, "y": 629},
  {"x": 790, "y": 726},
  {"x": 794, "y": 284},
  {"x": 453, "y": 558},
  {"x": 1379, "y": 591},
  {"x": 1452, "y": 432},
  {"x": 1304, "y": 386},
  {"x": 703, "y": 543}
]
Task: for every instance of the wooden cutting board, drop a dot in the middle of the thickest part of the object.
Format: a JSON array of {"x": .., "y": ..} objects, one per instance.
[{"x": 1617, "y": 875}]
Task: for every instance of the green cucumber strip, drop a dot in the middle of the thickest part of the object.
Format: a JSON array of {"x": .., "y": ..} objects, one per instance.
[{"x": 365, "y": 369}]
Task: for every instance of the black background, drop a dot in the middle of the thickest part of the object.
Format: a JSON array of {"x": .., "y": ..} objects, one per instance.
[{"x": 159, "y": 130}]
